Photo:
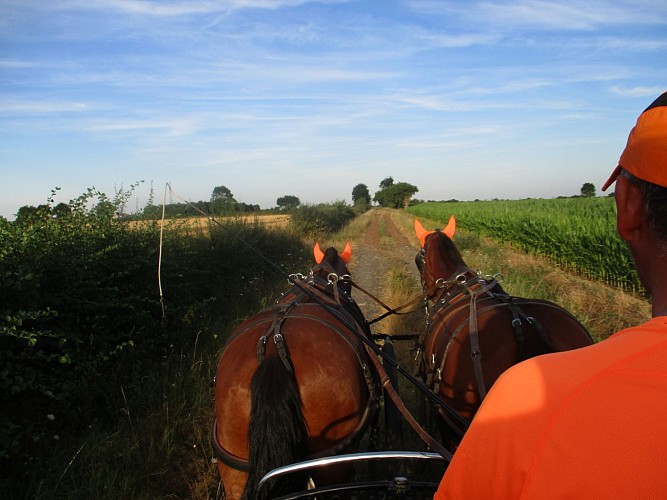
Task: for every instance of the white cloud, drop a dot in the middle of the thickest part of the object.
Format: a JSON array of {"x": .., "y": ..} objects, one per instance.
[
  {"x": 551, "y": 14},
  {"x": 35, "y": 107},
  {"x": 638, "y": 91},
  {"x": 164, "y": 8}
]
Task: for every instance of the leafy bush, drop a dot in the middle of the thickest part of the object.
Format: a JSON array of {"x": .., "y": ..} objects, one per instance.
[
  {"x": 321, "y": 219},
  {"x": 81, "y": 322}
]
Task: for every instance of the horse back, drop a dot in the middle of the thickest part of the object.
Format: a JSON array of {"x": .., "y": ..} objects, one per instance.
[
  {"x": 509, "y": 330},
  {"x": 329, "y": 364}
]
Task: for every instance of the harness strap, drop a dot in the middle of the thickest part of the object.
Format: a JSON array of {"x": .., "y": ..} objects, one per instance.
[
  {"x": 517, "y": 325},
  {"x": 518, "y": 317},
  {"x": 391, "y": 391},
  {"x": 242, "y": 464},
  {"x": 276, "y": 330},
  {"x": 473, "y": 333},
  {"x": 541, "y": 332},
  {"x": 474, "y": 292}
]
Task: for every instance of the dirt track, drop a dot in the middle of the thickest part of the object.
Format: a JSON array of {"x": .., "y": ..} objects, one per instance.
[{"x": 385, "y": 245}]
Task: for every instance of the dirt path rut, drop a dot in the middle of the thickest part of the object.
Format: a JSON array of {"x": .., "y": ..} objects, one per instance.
[{"x": 383, "y": 249}]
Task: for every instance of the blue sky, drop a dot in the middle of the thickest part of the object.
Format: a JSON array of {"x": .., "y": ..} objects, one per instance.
[{"x": 463, "y": 99}]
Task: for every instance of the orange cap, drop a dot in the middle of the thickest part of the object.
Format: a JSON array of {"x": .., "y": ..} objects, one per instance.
[{"x": 645, "y": 154}]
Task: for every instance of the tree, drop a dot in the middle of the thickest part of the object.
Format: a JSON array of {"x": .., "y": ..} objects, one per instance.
[
  {"x": 398, "y": 195},
  {"x": 361, "y": 195},
  {"x": 222, "y": 193},
  {"x": 222, "y": 200},
  {"x": 395, "y": 195},
  {"x": 588, "y": 190},
  {"x": 288, "y": 202},
  {"x": 62, "y": 210},
  {"x": 29, "y": 214},
  {"x": 386, "y": 182}
]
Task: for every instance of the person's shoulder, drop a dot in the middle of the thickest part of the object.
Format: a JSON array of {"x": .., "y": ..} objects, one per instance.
[{"x": 654, "y": 330}]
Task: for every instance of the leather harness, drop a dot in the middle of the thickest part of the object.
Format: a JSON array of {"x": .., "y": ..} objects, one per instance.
[
  {"x": 467, "y": 283},
  {"x": 287, "y": 308}
]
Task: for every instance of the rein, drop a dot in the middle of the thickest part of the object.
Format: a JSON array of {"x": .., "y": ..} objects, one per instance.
[
  {"x": 371, "y": 347},
  {"x": 394, "y": 310}
]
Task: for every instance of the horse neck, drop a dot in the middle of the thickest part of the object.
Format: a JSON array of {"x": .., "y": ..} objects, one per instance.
[
  {"x": 328, "y": 266},
  {"x": 442, "y": 259},
  {"x": 332, "y": 264}
]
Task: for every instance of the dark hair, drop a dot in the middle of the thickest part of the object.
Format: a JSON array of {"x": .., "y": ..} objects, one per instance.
[{"x": 655, "y": 204}]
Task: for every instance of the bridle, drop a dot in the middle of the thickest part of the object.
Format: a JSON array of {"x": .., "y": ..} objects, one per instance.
[{"x": 463, "y": 283}]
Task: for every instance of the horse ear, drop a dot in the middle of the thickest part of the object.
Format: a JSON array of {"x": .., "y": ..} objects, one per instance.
[
  {"x": 451, "y": 227},
  {"x": 421, "y": 232},
  {"x": 318, "y": 253},
  {"x": 346, "y": 254}
]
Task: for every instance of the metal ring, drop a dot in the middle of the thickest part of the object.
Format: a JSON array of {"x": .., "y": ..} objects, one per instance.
[
  {"x": 461, "y": 278},
  {"x": 295, "y": 276},
  {"x": 332, "y": 278}
]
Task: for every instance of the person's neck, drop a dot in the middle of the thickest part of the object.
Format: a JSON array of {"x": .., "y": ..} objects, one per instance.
[{"x": 660, "y": 311}]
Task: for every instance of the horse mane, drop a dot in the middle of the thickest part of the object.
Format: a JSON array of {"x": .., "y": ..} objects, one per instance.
[
  {"x": 333, "y": 259},
  {"x": 331, "y": 255},
  {"x": 446, "y": 248}
]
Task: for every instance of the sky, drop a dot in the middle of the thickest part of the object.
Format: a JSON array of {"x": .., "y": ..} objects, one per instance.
[{"x": 463, "y": 99}]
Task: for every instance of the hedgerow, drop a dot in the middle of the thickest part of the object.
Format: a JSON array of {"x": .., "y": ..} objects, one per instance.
[
  {"x": 82, "y": 325},
  {"x": 321, "y": 219}
]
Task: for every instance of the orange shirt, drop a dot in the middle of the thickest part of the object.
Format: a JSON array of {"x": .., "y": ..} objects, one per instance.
[{"x": 589, "y": 423}]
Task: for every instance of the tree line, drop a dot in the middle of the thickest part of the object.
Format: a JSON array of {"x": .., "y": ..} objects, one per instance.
[{"x": 222, "y": 202}]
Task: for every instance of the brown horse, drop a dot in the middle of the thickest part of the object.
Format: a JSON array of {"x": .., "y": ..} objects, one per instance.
[
  {"x": 476, "y": 330},
  {"x": 294, "y": 382}
]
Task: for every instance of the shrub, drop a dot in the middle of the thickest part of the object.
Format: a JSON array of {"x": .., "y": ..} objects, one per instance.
[
  {"x": 81, "y": 322},
  {"x": 321, "y": 219}
]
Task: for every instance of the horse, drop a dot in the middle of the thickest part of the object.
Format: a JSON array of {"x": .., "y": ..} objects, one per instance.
[
  {"x": 294, "y": 382},
  {"x": 475, "y": 330}
]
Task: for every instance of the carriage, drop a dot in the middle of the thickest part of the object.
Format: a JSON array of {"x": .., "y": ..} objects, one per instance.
[{"x": 301, "y": 386}]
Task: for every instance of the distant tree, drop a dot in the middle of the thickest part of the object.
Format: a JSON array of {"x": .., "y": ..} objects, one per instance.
[
  {"x": 245, "y": 207},
  {"x": 386, "y": 182},
  {"x": 588, "y": 190},
  {"x": 222, "y": 193},
  {"x": 288, "y": 202},
  {"x": 27, "y": 214},
  {"x": 222, "y": 200},
  {"x": 399, "y": 194},
  {"x": 395, "y": 195},
  {"x": 62, "y": 210},
  {"x": 378, "y": 197},
  {"x": 360, "y": 194}
]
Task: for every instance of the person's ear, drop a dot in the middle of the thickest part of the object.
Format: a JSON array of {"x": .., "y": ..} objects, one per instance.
[{"x": 630, "y": 214}]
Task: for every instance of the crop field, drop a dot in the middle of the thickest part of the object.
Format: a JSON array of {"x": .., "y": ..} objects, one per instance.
[
  {"x": 197, "y": 224},
  {"x": 578, "y": 234}
]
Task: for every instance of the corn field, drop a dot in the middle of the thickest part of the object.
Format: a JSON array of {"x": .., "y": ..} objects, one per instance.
[{"x": 579, "y": 234}]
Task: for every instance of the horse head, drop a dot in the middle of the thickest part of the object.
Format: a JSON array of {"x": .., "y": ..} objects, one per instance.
[
  {"x": 330, "y": 263},
  {"x": 438, "y": 257}
]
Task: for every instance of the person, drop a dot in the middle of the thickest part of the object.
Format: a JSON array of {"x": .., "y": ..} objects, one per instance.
[{"x": 589, "y": 423}]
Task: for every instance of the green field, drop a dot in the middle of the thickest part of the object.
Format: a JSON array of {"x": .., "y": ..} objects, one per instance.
[{"x": 579, "y": 234}]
